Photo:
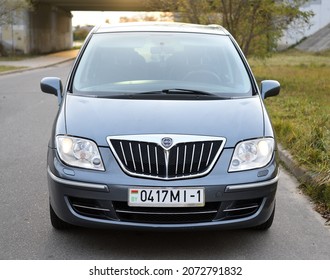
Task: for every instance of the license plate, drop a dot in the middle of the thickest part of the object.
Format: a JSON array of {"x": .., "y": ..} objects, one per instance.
[{"x": 166, "y": 197}]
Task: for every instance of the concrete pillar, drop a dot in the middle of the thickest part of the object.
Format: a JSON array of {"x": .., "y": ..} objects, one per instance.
[
  {"x": 50, "y": 29},
  {"x": 14, "y": 36}
]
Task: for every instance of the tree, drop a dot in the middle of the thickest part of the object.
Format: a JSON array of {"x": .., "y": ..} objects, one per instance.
[
  {"x": 257, "y": 25},
  {"x": 80, "y": 32},
  {"x": 9, "y": 7},
  {"x": 9, "y": 13}
]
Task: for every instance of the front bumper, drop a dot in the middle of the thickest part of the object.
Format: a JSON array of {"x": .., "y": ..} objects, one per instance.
[{"x": 104, "y": 205}]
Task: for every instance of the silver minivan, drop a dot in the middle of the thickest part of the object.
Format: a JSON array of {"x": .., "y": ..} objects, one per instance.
[{"x": 161, "y": 126}]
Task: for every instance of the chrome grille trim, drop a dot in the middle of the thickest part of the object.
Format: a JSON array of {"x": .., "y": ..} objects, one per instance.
[
  {"x": 192, "y": 158},
  {"x": 82, "y": 185},
  {"x": 156, "y": 160},
  {"x": 241, "y": 208},
  {"x": 144, "y": 156},
  {"x": 234, "y": 188},
  {"x": 177, "y": 160},
  {"x": 91, "y": 208},
  {"x": 200, "y": 158},
  {"x": 133, "y": 159},
  {"x": 122, "y": 151},
  {"x": 142, "y": 167},
  {"x": 166, "y": 213},
  {"x": 208, "y": 158},
  {"x": 184, "y": 158},
  {"x": 149, "y": 162}
]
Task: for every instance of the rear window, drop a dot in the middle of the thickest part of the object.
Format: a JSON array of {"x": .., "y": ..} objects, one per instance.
[{"x": 133, "y": 62}]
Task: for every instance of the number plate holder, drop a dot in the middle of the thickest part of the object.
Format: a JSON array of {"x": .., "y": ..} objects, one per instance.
[{"x": 166, "y": 197}]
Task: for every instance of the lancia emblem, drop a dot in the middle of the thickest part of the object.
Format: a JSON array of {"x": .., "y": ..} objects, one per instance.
[{"x": 167, "y": 142}]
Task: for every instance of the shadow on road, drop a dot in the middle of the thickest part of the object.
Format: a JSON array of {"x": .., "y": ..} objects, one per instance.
[{"x": 114, "y": 244}]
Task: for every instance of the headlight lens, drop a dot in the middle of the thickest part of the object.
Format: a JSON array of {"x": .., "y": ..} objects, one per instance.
[
  {"x": 252, "y": 154},
  {"x": 79, "y": 152}
]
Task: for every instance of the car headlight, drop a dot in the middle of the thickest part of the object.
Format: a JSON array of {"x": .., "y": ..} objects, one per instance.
[
  {"x": 252, "y": 154},
  {"x": 79, "y": 152}
]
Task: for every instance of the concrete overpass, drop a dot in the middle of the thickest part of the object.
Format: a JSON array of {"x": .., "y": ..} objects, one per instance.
[
  {"x": 48, "y": 26},
  {"x": 97, "y": 5}
]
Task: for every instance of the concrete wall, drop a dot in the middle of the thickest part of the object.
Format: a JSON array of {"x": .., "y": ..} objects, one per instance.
[
  {"x": 45, "y": 29},
  {"x": 50, "y": 29},
  {"x": 294, "y": 34},
  {"x": 14, "y": 37}
]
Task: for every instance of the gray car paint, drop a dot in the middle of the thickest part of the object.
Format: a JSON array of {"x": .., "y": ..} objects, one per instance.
[{"x": 97, "y": 118}]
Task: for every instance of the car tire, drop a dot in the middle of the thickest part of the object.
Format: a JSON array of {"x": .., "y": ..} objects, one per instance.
[
  {"x": 56, "y": 222},
  {"x": 266, "y": 225}
]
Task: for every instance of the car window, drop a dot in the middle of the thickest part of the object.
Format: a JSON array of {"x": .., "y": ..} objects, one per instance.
[{"x": 133, "y": 62}]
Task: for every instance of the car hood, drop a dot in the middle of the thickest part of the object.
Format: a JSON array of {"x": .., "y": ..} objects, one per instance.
[{"x": 98, "y": 118}]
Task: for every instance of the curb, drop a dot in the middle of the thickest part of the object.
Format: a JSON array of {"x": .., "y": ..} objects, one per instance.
[
  {"x": 303, "y": 176},
  {"x": 26, "y": 68}
]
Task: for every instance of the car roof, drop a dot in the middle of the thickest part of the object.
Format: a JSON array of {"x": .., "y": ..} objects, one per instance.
[{"x": 161, "y": 26}]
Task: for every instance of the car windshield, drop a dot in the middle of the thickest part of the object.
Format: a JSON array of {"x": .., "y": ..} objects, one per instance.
[{"x": 115, "y": 64}]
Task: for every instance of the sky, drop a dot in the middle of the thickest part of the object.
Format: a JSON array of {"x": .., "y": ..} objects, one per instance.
[{"x": 95, "y": 18}]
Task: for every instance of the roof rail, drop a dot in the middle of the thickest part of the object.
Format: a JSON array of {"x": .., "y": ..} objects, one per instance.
[{"x": 215, "y": 26}]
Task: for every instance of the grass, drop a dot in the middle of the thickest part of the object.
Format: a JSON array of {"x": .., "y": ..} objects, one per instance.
[
  {"x": 9, "y": 68},
  {"x": 301, "y": 113},
  {"x": 16, "y": 57}
]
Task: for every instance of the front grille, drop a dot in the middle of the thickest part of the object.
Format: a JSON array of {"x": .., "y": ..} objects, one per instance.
[
  {"x": 189, "y": 156},
  {"x": 170, "y": 215}
]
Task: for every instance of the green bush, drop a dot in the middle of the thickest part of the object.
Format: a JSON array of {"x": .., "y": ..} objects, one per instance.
[{"x": 80, "y": 33}]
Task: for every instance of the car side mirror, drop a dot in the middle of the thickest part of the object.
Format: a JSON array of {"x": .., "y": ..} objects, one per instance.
[
  {"x": 52, "y": 85},
  {"x": 270, "y": 88}
]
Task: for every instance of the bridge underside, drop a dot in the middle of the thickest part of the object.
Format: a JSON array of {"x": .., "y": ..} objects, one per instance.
[
  {"x": 97, "y": 5},
  {"x": 48, "y": 27}
]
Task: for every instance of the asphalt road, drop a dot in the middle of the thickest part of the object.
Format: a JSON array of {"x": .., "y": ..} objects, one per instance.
[{"x": 26, "y": 117}]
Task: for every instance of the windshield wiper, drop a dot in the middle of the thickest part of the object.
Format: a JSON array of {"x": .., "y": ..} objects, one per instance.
[
  {"x": 171, "y": 91},
  {"x": 185, "y": 91}
]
